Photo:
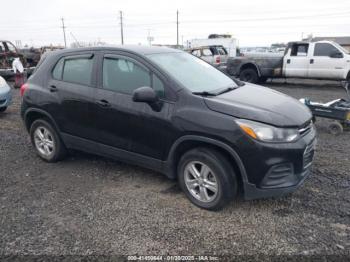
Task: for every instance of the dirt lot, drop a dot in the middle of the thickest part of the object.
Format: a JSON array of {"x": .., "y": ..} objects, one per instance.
[{"x": 92, "y": 205}]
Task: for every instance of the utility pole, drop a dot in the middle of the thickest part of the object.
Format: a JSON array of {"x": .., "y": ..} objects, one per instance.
[
  {"x": 121, "y": 27},
  {"x": 64, "y": 32},
  {"x": 177, "y": 28}
]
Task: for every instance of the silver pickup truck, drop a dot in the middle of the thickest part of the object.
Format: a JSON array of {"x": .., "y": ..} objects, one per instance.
[{"x": 314, "y": 60}]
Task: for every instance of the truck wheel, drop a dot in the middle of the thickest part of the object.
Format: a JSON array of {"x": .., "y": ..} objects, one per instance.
[
  {"x": 335, "y": 128},
  {"x": 207, "y": 178},
  {"x": 262, "y": 79},
  {"x": 249, "y": 75}
]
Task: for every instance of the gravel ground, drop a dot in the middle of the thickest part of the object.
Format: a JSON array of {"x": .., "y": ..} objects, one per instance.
[{"x": 92, "y": 205}]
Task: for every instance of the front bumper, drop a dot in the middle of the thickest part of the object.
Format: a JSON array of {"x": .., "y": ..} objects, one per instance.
[
  {"x": 283, "y": 168},
  {"x": 5, "y": 97}
]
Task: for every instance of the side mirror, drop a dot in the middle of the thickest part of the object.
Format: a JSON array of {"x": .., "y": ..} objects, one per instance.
[
  {"x": 147, "y": 95},
  {"x": 336, "y": 55}
]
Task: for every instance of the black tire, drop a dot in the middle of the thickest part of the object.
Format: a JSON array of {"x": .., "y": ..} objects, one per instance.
[
  {"x": 221, "y": 169},
  {"x": 262, "y": 79},
  {"x": 249, "y": 75},
  {"x": 3, "y": 109},
  {"x": 59, "y": 151},
  {"x": 335, "y": 128}
]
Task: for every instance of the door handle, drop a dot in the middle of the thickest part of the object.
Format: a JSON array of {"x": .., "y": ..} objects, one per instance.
[
  {"x": 103, "y": 103},
  {"x": 288, "y": 61},
  {"x": 311, "y": 61},
  {"x": 53, "y": 89}
]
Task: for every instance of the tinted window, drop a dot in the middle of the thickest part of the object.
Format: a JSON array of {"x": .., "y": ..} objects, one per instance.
[
  {"x": 158, "y": 86},
  {"x": 78, "y": 70},
  {"x": 57, "y": 71},
  {"x": 299, "y": 50},
  {"x": 324, "y": 49},
  {"x": 123, "y": 75}
]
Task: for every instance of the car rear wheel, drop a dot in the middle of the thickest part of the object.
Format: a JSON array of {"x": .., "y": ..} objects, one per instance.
[
  {"x": 46, "y": 141},
  {"x": 207, "y": 178},
  {"x": 249, "y": 75},
  {"x": 3, "y": 109}
]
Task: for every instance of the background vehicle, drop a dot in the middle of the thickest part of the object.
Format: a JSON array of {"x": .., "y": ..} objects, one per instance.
[
  {"x": 229, "y": 43},
  {"x": 316, "y": 60},
  {"x": 5, "y": 95},
  {"x": 169, "y": 111},
  {"x": 8, "y": 52},
  {"x": 215, "y": 55}
]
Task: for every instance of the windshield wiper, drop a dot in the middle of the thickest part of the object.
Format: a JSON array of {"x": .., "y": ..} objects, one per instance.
[
  {"x": 225, "y": 90},
  {"x": 204, "y": 93}
]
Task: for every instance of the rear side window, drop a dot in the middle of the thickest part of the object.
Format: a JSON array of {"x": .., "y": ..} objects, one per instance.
[
  {"x": 124, "y": 76},
  {"x": 325, "y": 49},
  {"x": 78, "y": 70},
  {"x": 299, "y": 50}
]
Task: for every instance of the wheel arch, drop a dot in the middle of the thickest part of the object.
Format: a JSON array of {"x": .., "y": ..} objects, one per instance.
[
  {"x": 33, "y": 114},
  {"x": 189, "y": 142},
  {"x": 251, "y": 65}
]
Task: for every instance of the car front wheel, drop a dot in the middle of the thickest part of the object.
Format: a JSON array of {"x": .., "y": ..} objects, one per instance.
[
  {"x": 3, "y": 109},
  {"x": 207, "y": 178}
]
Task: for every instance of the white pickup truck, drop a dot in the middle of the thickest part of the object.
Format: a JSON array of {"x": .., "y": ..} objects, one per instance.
[{"x": 315, "y": 60}]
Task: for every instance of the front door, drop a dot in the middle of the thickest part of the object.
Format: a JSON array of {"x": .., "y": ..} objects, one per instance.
[
  {"x": 123, "y": 123},
  {"x": 323, "y": 65}
]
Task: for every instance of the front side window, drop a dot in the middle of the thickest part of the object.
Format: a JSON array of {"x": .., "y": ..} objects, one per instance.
[
  {"x": 124, "y": 76},
  {"x": 325, "y": 49},
  {"x": 78, "y": 70},
  {"x": 57, "y": 71},
  {"x": 207, "y": 52}
]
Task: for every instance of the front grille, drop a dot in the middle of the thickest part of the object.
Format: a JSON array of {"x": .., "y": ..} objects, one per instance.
[{"x": 308, "y": 155}]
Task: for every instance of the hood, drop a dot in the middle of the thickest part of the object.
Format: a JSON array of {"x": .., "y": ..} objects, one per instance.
[{"x": 260, "y": 104}]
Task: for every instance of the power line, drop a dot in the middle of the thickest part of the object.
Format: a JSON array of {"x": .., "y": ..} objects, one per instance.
[{"x": 64, "y": 32}]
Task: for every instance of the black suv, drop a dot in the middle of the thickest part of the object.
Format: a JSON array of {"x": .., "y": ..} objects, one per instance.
[{"x": 169, "y": 111}]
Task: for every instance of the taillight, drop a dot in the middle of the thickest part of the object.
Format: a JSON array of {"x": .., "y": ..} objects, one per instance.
[
  {"x": 23, "y": 89},
  {"x": 217, "y": 60}
]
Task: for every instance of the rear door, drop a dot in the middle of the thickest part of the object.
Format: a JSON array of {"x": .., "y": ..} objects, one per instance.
[
  {"x": 324, "y": 64},
  {"x": 72, "y": 84},
  {"x": 296, "y": 61}
]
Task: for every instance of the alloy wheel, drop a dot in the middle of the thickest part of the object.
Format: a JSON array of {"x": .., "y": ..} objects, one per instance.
[{"x": 201, "y": 181}]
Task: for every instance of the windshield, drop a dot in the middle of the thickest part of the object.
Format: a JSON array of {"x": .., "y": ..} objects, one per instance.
[
  {"x": 342, "y": 48},
  {"x": 192, "y": 72}
]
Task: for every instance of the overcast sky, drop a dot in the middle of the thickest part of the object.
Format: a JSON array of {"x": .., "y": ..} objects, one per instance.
[{"x": 252, "y": 22}]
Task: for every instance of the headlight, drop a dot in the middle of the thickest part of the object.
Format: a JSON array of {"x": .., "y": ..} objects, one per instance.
[{"x": 268, "y": 133}]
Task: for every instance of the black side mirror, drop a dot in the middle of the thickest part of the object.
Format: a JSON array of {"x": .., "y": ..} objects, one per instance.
[
  {"x": 336, "y": 55},
  {"x": 147, "y": 95}
]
